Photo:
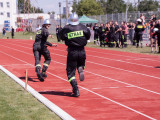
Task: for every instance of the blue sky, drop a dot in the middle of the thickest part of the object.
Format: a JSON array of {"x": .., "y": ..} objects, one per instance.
[{"x": 48, "y": 5}]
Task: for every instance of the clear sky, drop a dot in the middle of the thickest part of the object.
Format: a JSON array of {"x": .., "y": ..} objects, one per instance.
[{"x": 49, "y": 5}]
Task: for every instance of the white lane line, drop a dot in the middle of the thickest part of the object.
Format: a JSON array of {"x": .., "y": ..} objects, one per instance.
[
  {"x": 62, "y": 114},
  {"x": 103, "y": 65},
  {"x": 94, "y": 93},
  {"x": 6, "y": 65},
  {"x": 150, "y": 59},
  {"x": 124, "y": 70},
  {"x": 101, "y": 58},
  {"x": 100, "y": 75}
]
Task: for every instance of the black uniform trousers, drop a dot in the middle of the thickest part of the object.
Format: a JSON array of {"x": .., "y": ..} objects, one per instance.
[
  {"x": 95, "y": 36},
  {"x": 41, "y": 52},
  {"x": 138, "y": 38},
  {"x": 102, "y": 39},
  {"x": 76, "y": 58}
]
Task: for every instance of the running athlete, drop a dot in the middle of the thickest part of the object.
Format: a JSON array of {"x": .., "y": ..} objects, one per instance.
[
  {"x": 75, "y": 36},
  {"x": 40, "y": 48}
]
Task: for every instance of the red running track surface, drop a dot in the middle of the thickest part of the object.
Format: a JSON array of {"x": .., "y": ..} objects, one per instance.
[{"x": 117, "y": 86}]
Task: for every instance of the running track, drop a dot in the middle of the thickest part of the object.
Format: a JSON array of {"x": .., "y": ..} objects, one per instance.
[{"x": 117, "y": 86}]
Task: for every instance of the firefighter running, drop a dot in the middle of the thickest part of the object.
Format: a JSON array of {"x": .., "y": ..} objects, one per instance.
[
  {"x": 40, "y": 48},
  {"x": 75, "y": 36}
]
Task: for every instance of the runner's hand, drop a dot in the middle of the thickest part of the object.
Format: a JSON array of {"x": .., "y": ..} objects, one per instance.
[{"x": 54, "y": 45}]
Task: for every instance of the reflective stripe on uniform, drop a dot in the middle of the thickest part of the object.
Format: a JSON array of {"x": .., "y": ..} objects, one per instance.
[
  {"x": 72, "y": 78},
  {"x": 139, "y": 26},
  {"x": 45, "y": 64},
  {"x": 38, "y": 65}
]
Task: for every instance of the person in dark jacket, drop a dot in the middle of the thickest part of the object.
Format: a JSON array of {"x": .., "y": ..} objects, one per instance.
[
  {"x": 40, "y": 48},
  {"x": 12, "y": 32},
  {"x": 95, "y": 29},
  {"x": 75, "y": 36},
  {"x": 139, "y": 28},
  {"x": 102, "y": 34}
]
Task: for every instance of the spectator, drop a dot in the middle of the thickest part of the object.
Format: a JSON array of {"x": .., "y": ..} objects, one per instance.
[
  {"x": 38, "y": 27},
  {"x": 12, "y": 32},
  {"x": 4, "y": 32},
  {"x": 131, "y": 27}
]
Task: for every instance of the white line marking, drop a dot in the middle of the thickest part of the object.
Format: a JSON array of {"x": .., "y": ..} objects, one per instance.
[
  {"x": 100, "y": 75},
  {"x": 98, "y": 94},
  {"x": 45, "y": 101},
  {"x": 111, "y": 54},
  {"x": 124, "y": 70},
  {"x": 100, "y": 58},
  {"x": 16, "y": 65}
]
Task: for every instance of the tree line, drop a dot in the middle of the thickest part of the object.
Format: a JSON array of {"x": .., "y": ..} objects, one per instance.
[
  {"x": 24, "y": 7},
  {"x": 101, "y": 7}
]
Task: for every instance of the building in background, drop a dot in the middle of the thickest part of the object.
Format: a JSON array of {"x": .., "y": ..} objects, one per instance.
[{"x": 9, "y": 15}]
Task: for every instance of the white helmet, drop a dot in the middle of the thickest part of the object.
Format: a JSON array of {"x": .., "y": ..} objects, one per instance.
[
  {"x": 155, "y": 29},
  {"x": 73, "y": 19},
  {"x": 139, "y": 20},
  {"x": 46, "y": 22}
]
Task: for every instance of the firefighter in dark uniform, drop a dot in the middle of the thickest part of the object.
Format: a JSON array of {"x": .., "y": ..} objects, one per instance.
[
  {"x": 95, "y": 28},
  {"x": 117, "y": 34},
  {"x": 57, "y": 32},
  {"x": 40, "y": 48},
  {"x": 75, "y": 36},
  {"x": 102, "y": 34},
  {"x": 139, "y": 32}
]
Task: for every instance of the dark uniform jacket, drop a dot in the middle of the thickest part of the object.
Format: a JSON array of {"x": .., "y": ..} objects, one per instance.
[
  {"x": 96, "y": 28},
  {"x": 41, "y": 39},
  {"x": 75, "y": 35},
  {"x": 139, "y": 29}
]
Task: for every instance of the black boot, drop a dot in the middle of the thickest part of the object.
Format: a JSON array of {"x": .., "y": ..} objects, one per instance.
[
  {"x": 38, "y": 69},
  {"x": 75, "y": 88},
  {"x": 44, "y": 69},
  {"x": 44, "y": 75},
  {"x": 137, "y": 45}
]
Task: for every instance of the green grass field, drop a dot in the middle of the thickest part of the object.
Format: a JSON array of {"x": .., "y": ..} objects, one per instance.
[{"x": 17, "y": 104}]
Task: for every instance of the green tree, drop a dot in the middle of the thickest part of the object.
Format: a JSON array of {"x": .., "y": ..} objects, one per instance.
[
  {"x": 148, "y": 5},
  {"x": 74, "y": 6},
  {"x": 115, "y": 6},
  {"x": 131, "y": 8},
  {"x": 32, "y": 9},
  {"x": 89, "y": 7}
]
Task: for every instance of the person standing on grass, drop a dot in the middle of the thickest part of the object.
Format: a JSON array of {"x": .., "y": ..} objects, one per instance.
[
  {"x": 12, "y": 32},
  {"x": 4, "y": 32},
  {"x": 102, "y": 32},
  {"x": 139, "y": 32},
  {"x": 152, "y": 38},
  {"x": 157, "y": 33},
  {"x": 57, "y": 33},
  {"x": 40, "y": 48},
  {"x": 75, "y": 36},
  {"x": 95, "y": 29}
]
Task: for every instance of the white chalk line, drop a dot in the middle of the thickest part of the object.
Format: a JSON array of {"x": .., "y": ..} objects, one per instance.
[
  {"x": 62, "y": 114},
  {"x": 94, "y": 93},
  {"x": 100, "y": 75},
  {"x": 112, "y": 54}
]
